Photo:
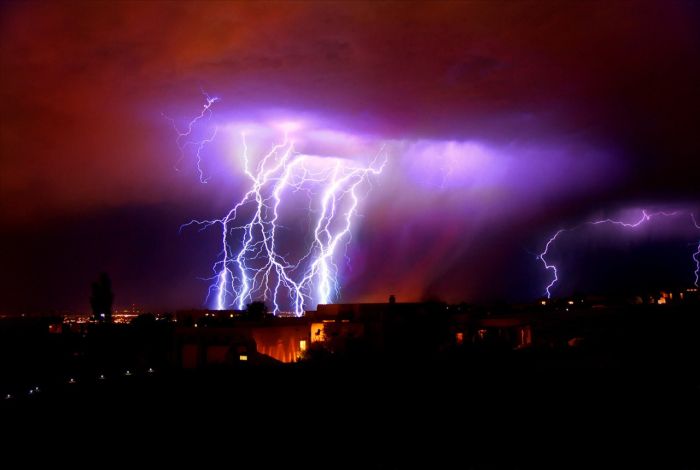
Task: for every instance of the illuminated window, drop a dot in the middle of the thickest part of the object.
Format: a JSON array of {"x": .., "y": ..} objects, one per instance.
[
  {"x": 302, "y": 345},
  {"x": 459, "y": 337},
  {"x": 318, "y": 332},
  {"x": 242, "y": 357},
  {"x": 544, "y": 302}
]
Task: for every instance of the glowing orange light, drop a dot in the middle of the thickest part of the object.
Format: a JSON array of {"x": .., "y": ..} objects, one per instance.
[{"x": 318, "y": 332}]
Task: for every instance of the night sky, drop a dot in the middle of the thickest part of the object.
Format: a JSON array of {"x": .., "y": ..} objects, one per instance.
[{"x": 502, "y": 122}]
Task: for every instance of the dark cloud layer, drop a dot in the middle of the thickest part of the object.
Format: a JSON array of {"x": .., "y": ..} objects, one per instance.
[{"x": 82, "y": 137}]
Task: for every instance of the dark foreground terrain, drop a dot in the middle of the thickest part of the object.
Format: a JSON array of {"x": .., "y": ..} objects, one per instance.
[
  {"x": 497, "y": 413},
  {"x": 626, "y": 397}
]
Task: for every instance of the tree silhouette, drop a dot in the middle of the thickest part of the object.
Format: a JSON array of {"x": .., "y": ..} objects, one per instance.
[
  {"x": 256, "y": 310},
  {"x": 101, "y": 299}
]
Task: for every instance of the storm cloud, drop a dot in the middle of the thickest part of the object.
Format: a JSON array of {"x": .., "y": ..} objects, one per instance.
[{"x": 503, "y": 120}]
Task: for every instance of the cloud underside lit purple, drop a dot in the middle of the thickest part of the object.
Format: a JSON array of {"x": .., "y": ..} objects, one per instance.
[{"x": 438, "y": 197}]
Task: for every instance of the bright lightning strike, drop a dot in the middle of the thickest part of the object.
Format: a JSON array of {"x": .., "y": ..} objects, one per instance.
[
  {"x": 645, "y": 217},
  {"x": 696, "y": 255},
  {"x": 184, "y": 137},
  {"x": 252, "y": 264}
]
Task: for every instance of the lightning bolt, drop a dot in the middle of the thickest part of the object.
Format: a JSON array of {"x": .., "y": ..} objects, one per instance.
[
  {"x": 326, "y": 241},
  {"x": 183, "y": 136},
  {"x": 645, "y": 217},
  {"x": 696, "y": 255},
  {"x": 251, "y": 265}
]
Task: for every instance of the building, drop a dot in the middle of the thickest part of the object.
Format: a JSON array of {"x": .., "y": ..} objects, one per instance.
[{"x": 217, "y": 338}]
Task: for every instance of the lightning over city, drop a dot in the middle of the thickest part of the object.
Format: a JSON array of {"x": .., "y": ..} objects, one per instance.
[
  {"x": 252, "y": 266},
  {"x": 253, "y": 223},
  {"x": 644, "y": 217}
]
